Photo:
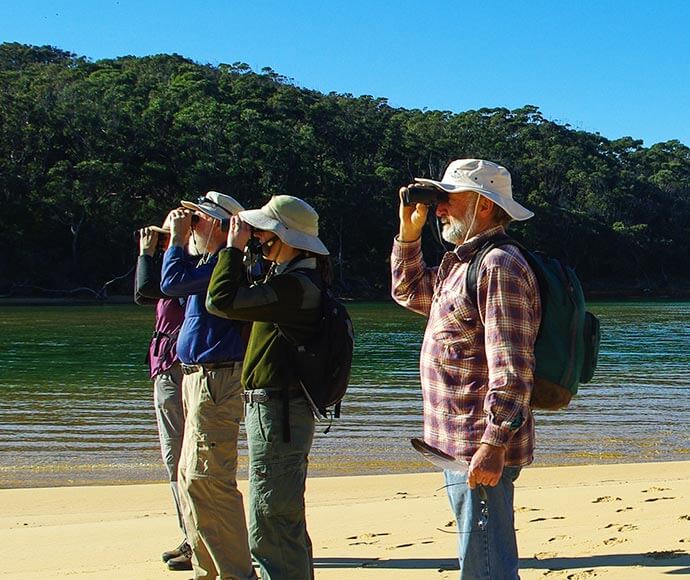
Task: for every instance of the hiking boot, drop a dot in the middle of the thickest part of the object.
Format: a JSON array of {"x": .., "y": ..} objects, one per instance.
[
  {"x": 183, "y": 562},
  {"x": 183, "y": 549}
]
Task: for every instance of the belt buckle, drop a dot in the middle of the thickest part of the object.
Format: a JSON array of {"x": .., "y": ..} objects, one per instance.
[
  {"x": 255, "y": 397},
  {"x": 191, "y": 369}
]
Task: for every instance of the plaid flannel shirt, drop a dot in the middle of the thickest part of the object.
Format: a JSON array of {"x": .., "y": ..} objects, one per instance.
[{"x": 476, "y": 364}]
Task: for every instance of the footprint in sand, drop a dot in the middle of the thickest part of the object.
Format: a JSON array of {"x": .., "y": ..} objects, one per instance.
[
  {"x": 614, "y": 541},
  {"x": 625, "y": 509},
  {"x": 409, "y": 545},
  {"x": 400, "y": 546},
  {"x": 652, "y": 489},
  {"x": 557, "y": 538},
  {"x": 526, "y": 509},
  {"x": 606, "y": 499},
  {"x": 623, "y": 527},
  {"x": 658, "y": 498},
  {"x": 365, "y": 537},
  {"x": 581, "y": 575},
  {"x": 399, "y": 495},
  {"x": 544, "y": 519},
  {"x": 684, "y": 517},
  {"x": 545, "y": 555}
]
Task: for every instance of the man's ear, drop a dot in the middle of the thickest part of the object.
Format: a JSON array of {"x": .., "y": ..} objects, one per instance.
[{"x": 486, "y": 206}]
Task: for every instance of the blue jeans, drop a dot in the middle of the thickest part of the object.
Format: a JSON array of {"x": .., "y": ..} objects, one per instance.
[{"x": 487, "y": 548}]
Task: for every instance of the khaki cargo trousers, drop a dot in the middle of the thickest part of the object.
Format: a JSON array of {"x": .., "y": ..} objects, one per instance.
[{"x": 207, "y": 478}]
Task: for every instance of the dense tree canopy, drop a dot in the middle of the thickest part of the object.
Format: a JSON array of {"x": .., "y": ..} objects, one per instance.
[{"x": 89, "y": 151}]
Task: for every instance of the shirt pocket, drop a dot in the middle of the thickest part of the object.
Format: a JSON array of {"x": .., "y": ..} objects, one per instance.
[{"x": 453, "y": 321}]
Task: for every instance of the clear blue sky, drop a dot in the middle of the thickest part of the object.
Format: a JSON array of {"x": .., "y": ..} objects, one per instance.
[{"x": 619, "y": 68}]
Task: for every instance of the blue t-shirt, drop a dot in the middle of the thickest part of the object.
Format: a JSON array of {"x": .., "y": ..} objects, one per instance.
[{"x": 203, "y": 338}]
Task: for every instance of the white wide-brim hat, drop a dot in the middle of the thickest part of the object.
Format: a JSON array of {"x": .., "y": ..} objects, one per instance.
[
  {"x": 293, "y": 220},
  {"x": 486, "y": 178},
  {"x": 216, "y": 205}
]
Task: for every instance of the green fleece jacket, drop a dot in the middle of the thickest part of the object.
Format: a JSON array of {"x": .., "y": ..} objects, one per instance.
[{"x": 287, "y": 298}]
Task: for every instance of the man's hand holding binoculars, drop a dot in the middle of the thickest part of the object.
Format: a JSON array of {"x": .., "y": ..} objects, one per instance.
[
  {"x": 412, "y": 218},
  {"x": 180, "y": 226},
  {"x": 148, "y": 241}
]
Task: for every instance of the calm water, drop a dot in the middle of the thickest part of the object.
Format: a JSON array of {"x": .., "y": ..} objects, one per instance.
[{"x": 75, "y": 400}]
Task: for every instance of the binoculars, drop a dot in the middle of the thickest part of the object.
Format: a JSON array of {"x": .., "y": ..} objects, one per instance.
[{"x": 426, "y": 194}]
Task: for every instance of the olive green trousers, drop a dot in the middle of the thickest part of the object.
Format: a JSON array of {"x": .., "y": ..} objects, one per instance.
[{"x": 277, "y": 476}]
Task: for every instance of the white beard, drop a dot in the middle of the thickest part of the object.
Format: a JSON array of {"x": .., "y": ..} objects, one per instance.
[{"x": 455, "y": 230}]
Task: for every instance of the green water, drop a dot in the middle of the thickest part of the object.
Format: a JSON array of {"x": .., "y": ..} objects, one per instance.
[{"x": 76, "y": 402}]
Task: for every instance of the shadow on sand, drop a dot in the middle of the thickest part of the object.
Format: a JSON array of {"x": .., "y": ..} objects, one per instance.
[
  {"x": 678, "y": 559},
  {"x": 392, "y": 563},
  {"x": 673, "y": 558}
]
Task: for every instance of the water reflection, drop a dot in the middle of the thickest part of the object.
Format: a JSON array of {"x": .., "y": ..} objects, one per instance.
[{"x": 76, "y": 402}]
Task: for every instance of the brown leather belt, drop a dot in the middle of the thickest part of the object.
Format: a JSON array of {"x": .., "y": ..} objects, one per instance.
[{"x": 191, "y": 369}]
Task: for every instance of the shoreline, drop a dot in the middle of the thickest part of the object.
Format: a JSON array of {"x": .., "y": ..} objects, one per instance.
[
  {"x": 603, "y": 295},
  {"x": 89, "y": 475},
  {"x": 612, "y": 521}
]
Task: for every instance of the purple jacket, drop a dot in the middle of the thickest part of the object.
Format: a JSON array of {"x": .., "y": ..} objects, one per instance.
[{"x": 162, "y": 352}]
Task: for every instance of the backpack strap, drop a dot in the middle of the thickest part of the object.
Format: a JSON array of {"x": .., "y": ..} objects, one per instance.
[
  {"x": 496, "y": 242},
  {"x": 300, "y": 273},
  {"x": 172, "y": 339},
  {"x": 476, "y": 261}
]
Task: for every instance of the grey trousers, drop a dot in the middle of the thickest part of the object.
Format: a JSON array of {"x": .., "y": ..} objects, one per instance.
[
  {"x": 167, "y": 400},
  {"x": 278, "y": 535},
  {"x": 212, "y": 505}
]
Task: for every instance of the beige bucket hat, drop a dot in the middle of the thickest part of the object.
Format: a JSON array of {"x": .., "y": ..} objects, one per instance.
[
  {"x": 486, "y": 178},
  {"x": 215, "y": 204},
  {"x": 293, "y": 220}
]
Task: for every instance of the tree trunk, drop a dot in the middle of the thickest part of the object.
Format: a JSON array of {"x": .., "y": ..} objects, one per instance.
[{"x": 75, "y": 229}]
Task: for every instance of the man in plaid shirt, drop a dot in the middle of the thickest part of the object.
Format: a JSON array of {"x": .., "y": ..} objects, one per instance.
[{"x": 477, "y": 358}]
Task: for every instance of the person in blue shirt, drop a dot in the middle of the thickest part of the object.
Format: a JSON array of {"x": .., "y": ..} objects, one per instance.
[{"x": 210, "y": 350}]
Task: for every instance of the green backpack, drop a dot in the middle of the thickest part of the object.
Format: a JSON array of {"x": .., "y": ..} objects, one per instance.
[{"x": 567, "y": 345}]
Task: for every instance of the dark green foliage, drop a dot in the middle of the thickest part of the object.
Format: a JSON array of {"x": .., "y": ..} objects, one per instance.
[{"x": 89, "y": 151}]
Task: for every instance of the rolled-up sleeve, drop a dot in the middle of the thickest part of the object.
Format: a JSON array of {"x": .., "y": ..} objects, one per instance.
[{"x": 412, "y": 283}]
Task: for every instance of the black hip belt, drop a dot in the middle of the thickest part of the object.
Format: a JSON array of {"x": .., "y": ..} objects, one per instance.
[
  {"x": 265, "y": 395},
  {"x": 159, "y": 336}
]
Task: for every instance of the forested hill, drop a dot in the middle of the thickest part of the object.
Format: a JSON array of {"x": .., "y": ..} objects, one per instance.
[{"x": 89, "y": 151}]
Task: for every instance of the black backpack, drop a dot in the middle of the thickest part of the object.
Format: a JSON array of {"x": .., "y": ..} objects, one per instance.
[
  {"x": 323, "y": 362},
  {"x": 567, "y": 345}
]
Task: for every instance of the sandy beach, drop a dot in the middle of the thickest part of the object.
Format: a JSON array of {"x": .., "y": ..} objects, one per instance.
[{"x": 604, "y": 521}]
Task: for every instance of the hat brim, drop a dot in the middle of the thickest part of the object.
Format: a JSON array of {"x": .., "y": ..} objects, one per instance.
[
  {"x": 509, "y": 205},
  {"x": 159, "y": 230},
  {"x": 259, "y": 220},
  {"x": 210, "y": 210}
]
